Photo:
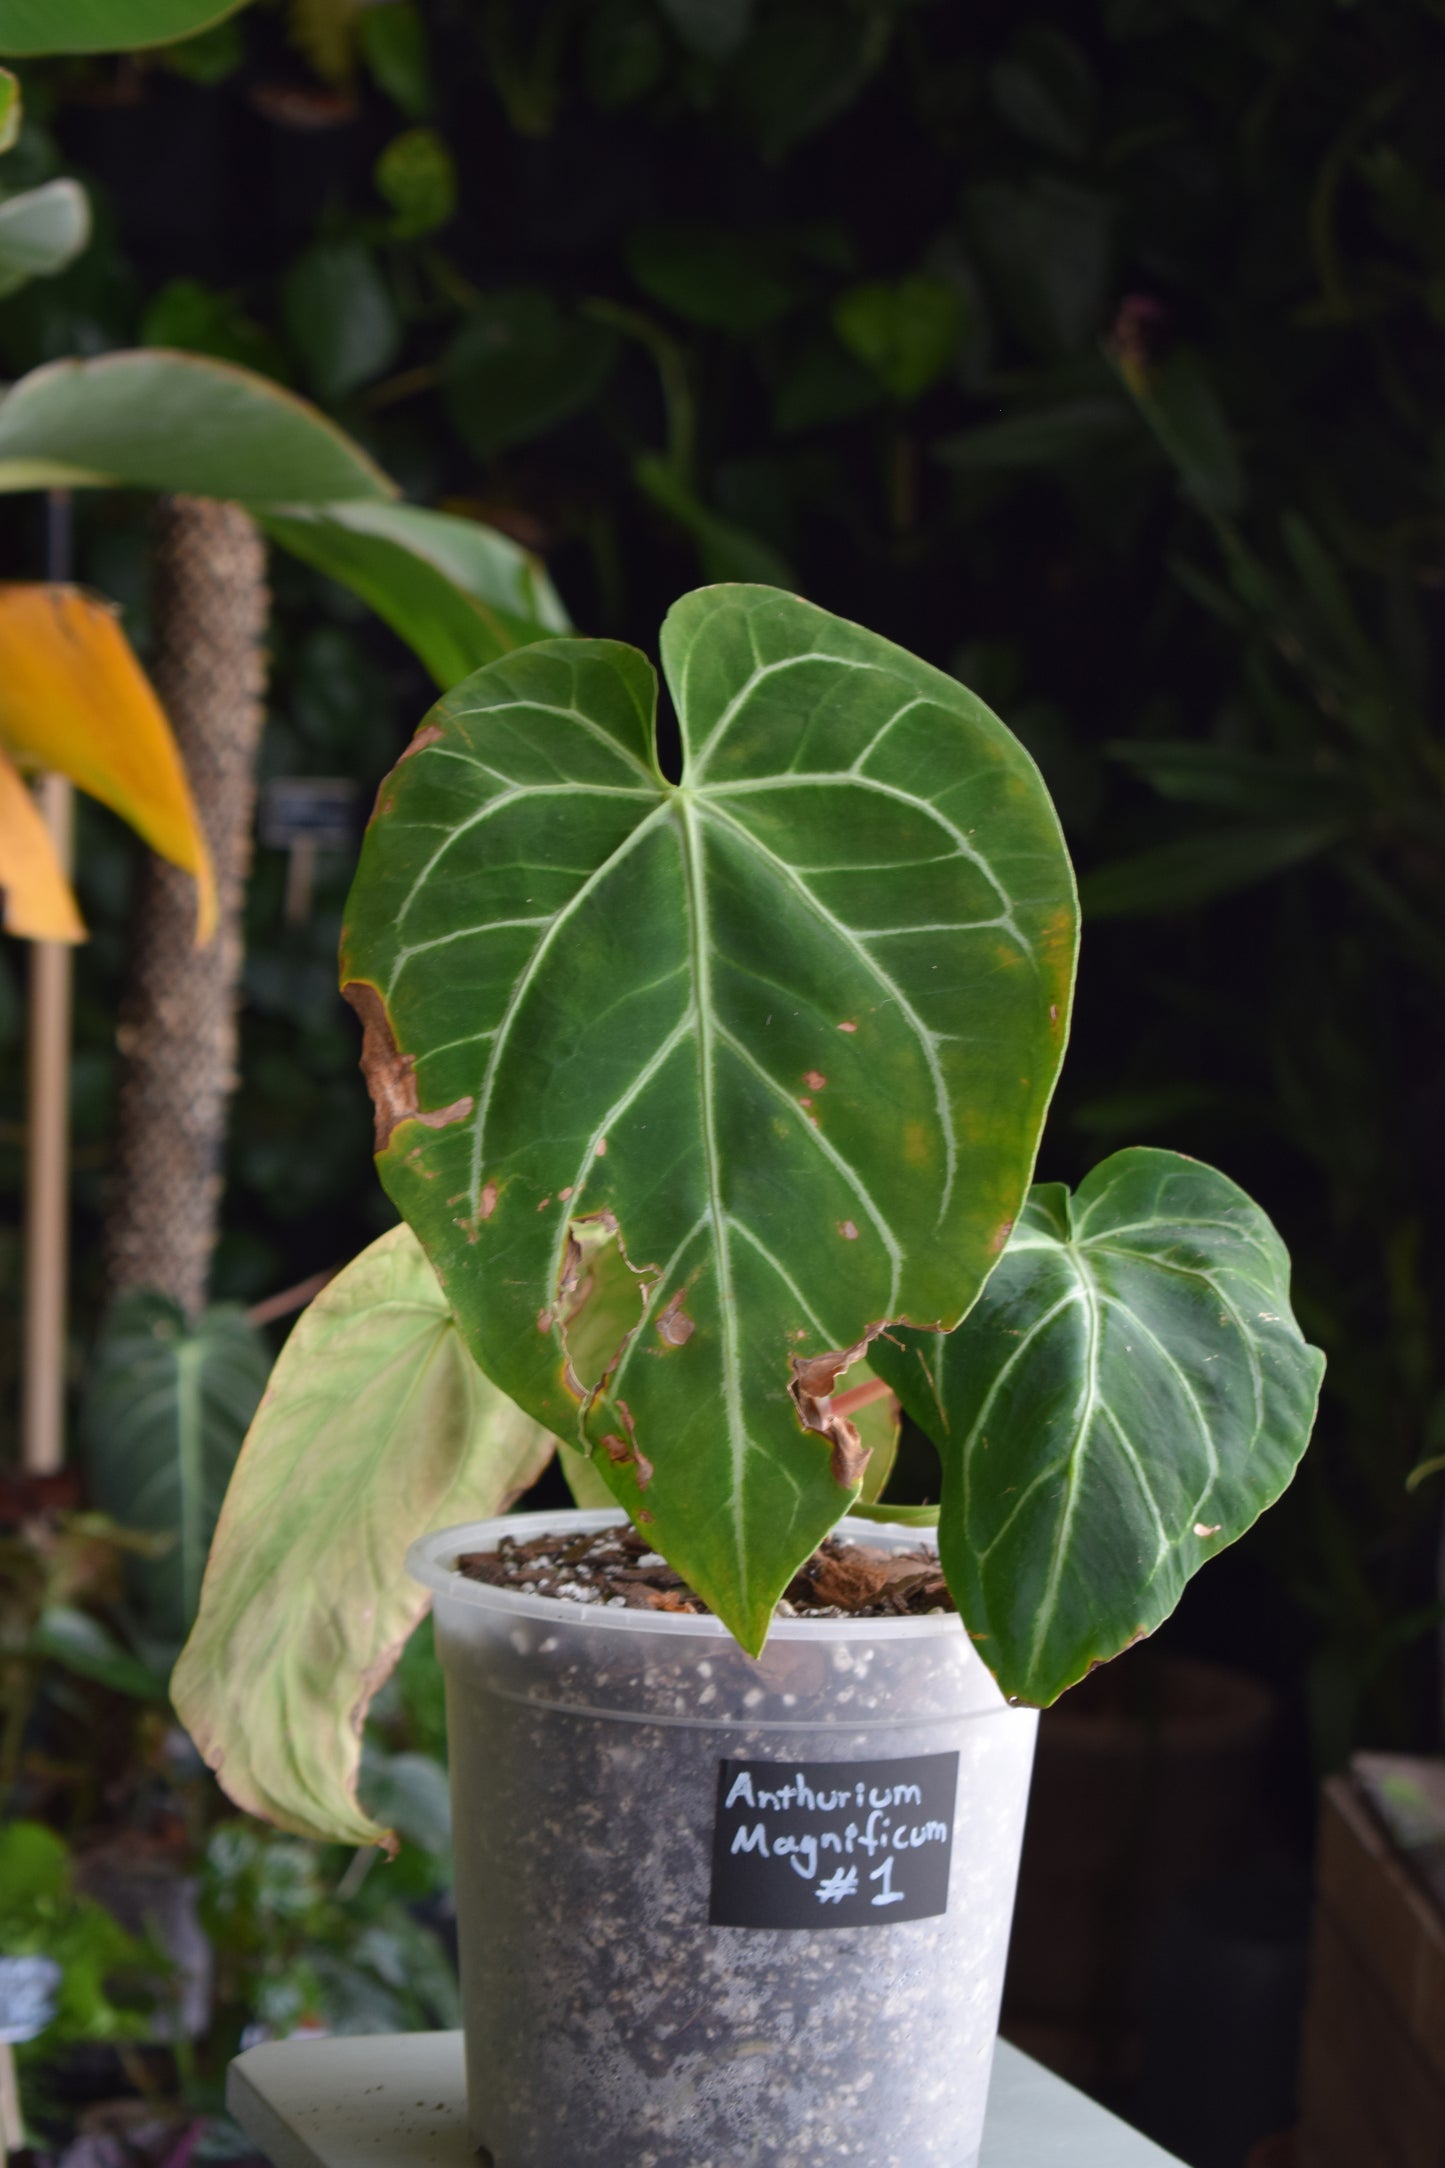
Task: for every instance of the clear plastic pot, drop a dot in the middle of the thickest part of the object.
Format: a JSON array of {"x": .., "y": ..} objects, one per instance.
[{"x": 627, "y": 1786}]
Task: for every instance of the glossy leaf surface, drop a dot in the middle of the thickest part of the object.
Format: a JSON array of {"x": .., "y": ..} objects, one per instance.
[
  {"x": 167, "y": 1403},
  {"x": 104, "y": 26},
  {"x": 1127, "y": 1396},
  {"x": 792, "y": 1025},
  {"x": 159, "y": 420},
  {"x": 74, "y": 698},
  {"x": 459, "y": 593},
  {"x": 307, "y": 1603}
]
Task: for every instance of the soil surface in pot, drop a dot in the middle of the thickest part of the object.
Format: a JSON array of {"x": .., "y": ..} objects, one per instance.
[{"x": 613, "y": 1568}]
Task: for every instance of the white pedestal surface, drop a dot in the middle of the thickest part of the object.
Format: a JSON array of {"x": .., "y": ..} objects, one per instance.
[{"x": 400, "y": 2102}]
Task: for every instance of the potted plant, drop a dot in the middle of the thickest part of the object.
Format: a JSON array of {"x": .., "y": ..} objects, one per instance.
[{"x": 695, "y": 1093}]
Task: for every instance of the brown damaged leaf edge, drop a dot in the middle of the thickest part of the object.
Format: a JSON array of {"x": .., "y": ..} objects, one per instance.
[
  {"x": 390, "y": 1074},
  {"x": 622, "y": 1451},
  {"x": 814, "y": 1377}
]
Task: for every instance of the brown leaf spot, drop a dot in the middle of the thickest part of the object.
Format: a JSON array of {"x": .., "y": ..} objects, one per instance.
[
  {"x": 427, "y": 735},
  {"x": 674, "y": 1326},
  {"x": 848, "y": 1231},
  {"x": 626, "y": 1451},
  {"x": 1053, "y": 1012},
  {"x": 601, "y": 1147},
  {"x": 1201, "y": 1528},
  {"x": 815, "y": 1079},
  {"x": 847, "y": 1027},
  {"x": 388, "y": 1072},
  {"x": 487, "y": 1202},
  {"x": 544, "y": 1204},
  {"x": 999, "y": 1236},
  {"x": 563, "y": 1195},
  {"x": 545, "y": 1321},
  {"x": 814, "y": 1377},
  {"x": 805, "y": 1101}
]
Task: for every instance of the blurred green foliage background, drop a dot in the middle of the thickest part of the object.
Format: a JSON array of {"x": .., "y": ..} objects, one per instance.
[{"x": 1093, "y": 352}]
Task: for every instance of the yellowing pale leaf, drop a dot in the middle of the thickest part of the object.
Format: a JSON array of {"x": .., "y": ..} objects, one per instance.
[
  {"x": 376, "y": 1427},
  {"x": 38, "y": 901},
  {"x": 74, "y": 698}
]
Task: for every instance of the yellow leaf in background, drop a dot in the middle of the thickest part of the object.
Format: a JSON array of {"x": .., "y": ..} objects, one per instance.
[
  {"x": 74, "y": 698},
  {"x": 38, "y": 901}
]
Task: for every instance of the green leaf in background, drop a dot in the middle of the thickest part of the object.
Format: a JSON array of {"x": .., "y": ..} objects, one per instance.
[
  {"x": 209, "y": 57},
  {"x": 1177, "y": 876},
  {"x": 10, "y": 110},
  {"x": 41, "y": 231},
  {"x": 166, "y": 1406},
  {"x": 307, "y": 1602},
  {"x": 340, "y": 315},
  {"x": 731, "y": 281},
  {"x": 459, "y": 593},
  {"x": 803, "y": 65},
  {"x": 1043, "y": 439},
  {"x": 156, "y": 420},
  {"x": 197, "y": 319},
  {"x": 78, "y": 1641},
  {"x": 521, "y": 364},
  {"x": 725, "y": 550},
  {"x": 103, "y": 26},
  {"x": 417, "y": 175},
  {"x": 1196, "y": 772},
  {"x": 713, "y": 28},
  {"x": 1046, "y": 251},
  {"x": 807, "y": 1102},
  {"x": 907, "y": 333},
  {"x": 1044, "y": 86},
  {"x": 1126, "y": 1397},
  {"x": 1177, "y": 399},
  {"x": 393, "y": 45}
]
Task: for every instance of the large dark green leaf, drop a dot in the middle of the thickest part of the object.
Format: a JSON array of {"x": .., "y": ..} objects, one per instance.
[
  {"x": 1195, "y": 869},
  {"x": 166, "y": 1407},
  {"x": 521, "y": 364},
  {"x": 103, "y": 26},
  {"x": 459, "y": 593},
  {"x": 157, "y": 420},
  {"x": 338, "y": 310},
  {"x": 376, "y": 1426},
  {"x": 1127, "y": 1396},
  {"x": 791, "y": 1025}
]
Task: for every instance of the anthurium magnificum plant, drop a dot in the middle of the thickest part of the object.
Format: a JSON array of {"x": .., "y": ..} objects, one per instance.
[{"x": 697, "y": 1093}]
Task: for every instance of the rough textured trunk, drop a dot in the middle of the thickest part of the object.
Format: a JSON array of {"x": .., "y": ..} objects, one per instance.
[{"x": 177, "y": 1032}]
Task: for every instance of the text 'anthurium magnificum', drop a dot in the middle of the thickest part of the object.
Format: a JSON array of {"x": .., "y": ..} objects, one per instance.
[{"x": 767, "y": 1048}]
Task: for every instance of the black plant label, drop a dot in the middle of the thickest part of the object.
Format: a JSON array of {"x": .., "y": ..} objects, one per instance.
[{"x": 832, "y": 1844}]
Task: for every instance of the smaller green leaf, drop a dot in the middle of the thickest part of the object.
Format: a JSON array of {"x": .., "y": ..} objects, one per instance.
[
  {"x": 211, "y": 57},
  {"x": 725, "y": 550},
  {"x": 417, "y": 175},
  {"x": 907, "y": 333},
  {"x": 393, "y": 45},
  {"x": 197, "y": 319},
  {"x": 1126, "y": 1397},
  {"x": 307, "y": 1602},
  {"x": 1177, "y": 399},
  {"x": 1194, "y": 772},
  {"x": 712, "y": 28},
  {"x": 1196, "y": 869},
  {"x": 1045, "y": 438},
  {"x": 166, "y": 1407},
  {"x": 457, "y": 592},
  {"x": 1046, "y": 251},
  {"x": 803, "y": 66},
  {"x": 41, "y": 232},
  {"x": 10, "y": 110},
  {"x": 520, "y": 365},
  {"x": 339, "y": 312},
  {"x": 103, "y": 26},
  {"x": 899, "y": 1516},
  {"x": 74, "y": 1639},
  {"x": 1045, "y": 88},
  {"x": 712, "y": 275}
]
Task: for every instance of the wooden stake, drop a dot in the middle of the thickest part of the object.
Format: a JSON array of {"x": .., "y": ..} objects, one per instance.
[{"x": 47, "y": 1184}]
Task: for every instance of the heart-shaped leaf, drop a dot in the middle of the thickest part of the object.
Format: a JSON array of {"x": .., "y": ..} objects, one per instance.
[
  {"x": 307, "y": 1601},
  {"x": 789, "y": 1027},
  {"x": 1126, "y": 1397}
]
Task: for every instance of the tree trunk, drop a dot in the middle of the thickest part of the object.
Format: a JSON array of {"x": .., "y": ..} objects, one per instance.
[{"x": 177, "y": 1034}]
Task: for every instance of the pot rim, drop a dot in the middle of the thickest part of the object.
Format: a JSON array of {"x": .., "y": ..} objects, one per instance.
[{"x": 429, "y": 1561}]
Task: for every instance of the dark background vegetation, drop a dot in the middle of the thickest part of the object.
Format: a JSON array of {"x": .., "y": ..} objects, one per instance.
[{"x": 1093, "y": 352}]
